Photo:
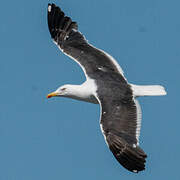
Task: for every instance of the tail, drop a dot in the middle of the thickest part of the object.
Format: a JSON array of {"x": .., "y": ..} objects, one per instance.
[
  {"x": 131, "y": 157},
  {"x": 152, "y": 90}
]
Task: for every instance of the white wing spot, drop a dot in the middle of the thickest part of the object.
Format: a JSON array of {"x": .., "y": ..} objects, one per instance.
[
  {"x": 49, "y": 8},
  {"x": 100, "y": 68},
  {"x": 112, "y": 60},
  {"x": 75, "y": 30},
  {"x": 66, "y": 37},
  {"x": 134, "y": 145}
]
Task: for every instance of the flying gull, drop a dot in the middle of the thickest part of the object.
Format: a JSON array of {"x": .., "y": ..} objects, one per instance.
[{"x": 105, "y": 85}]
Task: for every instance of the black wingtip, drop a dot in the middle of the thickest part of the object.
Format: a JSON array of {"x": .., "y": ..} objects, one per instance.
[
  {"x": 59, "y": 25},
  {"x": 132, "y": 158}
]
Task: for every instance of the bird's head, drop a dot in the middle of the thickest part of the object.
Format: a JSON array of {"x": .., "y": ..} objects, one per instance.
[{"x": 64, "y": 90}]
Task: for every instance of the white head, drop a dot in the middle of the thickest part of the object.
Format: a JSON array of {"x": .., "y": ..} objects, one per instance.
[
  {"x": 79, "y": 92},
  {"x": 65, "y": 90}
]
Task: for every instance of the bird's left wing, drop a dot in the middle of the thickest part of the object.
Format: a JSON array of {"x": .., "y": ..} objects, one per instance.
[
  {"x": 120, "y": 124},
  {"x": 66, "y": 36}
]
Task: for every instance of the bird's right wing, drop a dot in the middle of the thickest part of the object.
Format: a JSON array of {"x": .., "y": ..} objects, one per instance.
[{"x": 66, "y": 36}]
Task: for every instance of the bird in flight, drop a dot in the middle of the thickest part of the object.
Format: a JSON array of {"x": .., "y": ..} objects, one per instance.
[{"x": 106, "y": 85}]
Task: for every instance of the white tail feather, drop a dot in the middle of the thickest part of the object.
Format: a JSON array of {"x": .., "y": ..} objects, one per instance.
[{"x": 152, "y": 90}]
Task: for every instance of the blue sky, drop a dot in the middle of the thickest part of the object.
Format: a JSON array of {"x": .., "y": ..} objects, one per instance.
[{"x": 60, "y": 138}]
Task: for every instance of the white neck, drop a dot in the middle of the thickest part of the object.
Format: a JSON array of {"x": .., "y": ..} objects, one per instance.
[{"x": 84, "y": 92}]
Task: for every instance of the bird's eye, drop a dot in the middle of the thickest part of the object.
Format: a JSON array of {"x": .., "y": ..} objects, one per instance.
[{"x": 63, "y": 89}]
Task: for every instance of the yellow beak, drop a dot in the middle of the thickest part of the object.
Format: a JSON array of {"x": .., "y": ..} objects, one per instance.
[{"x": 52, "y": 95}]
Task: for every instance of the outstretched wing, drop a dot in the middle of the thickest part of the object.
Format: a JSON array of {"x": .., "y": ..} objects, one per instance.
[
  {"x": 65, "y": 34},
  {"x": 120, "y": 124}
]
